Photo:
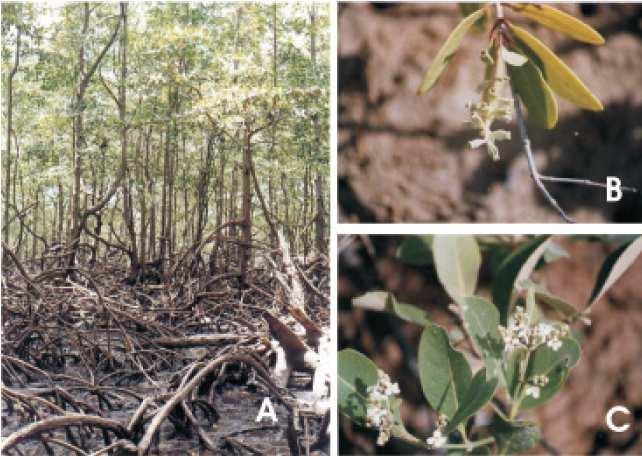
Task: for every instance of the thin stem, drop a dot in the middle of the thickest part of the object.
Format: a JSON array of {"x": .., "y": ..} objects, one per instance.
[
  {"x": 471, "y": 445},
  {"x": 587, "y": 182},
  {"x": 526, "y": 145},
  {"x": 499, "y": 411},
  {"x": 499, "y": 10}
]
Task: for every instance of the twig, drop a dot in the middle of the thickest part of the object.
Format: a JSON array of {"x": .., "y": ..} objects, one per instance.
[{"x": 526, "y": 144}]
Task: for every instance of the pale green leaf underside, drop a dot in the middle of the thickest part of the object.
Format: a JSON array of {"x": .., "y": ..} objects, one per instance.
[
  {"x": 481, "y": 319},
  {"x": 457, "y": 261}
]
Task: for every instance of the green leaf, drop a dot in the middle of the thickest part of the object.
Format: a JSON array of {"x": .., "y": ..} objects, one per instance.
[
  {"x": 457, "y": 261},
  {"x": 544, "y": 358},
  {"x": 511, "y": 372},
  {"x": 447, "y": 50},
  {"x": 481, "y": 320},
  {"x": 407, "y": 312},
  {"x": 444, "y": 372},
  {"x": 534, "y": 92},
  {"x": 416, "y": 250},
  {"x": 515, "y": 268},
  {"x": 356, "y": 374},
  {"x": 613, "y": 267},
  {"x": 514, "y": 438},
  {"x": 558, "y": 75},
  {"x": 477, "y": 396},
  {"x": 556, "y": 378},
  {"x": 558, "y": 20},
  {"x": 566, "y": 310},
  {"x": 380, "y": 301}
]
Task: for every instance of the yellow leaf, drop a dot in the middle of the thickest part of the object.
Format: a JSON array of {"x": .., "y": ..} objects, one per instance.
[
  {"x": 447, "y": 50},
  {"x": 536, "y": 95},
  {"x": 558, "y": 75},
  {"x": 560, "y": 21}
]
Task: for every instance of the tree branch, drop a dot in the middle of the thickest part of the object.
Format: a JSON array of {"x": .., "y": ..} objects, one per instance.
[{"x": 526, "y": 145}]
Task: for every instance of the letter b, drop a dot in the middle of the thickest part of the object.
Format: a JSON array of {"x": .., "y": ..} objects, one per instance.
[{"x": 613, "y": 189}]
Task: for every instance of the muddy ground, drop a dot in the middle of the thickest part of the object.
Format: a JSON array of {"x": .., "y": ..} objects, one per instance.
[
  {"x": 404, "y": 158},
  {"x": 92, "y": 345},
  {"x": 609, "y": 371}
]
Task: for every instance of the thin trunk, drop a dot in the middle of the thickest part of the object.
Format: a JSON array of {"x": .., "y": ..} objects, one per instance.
[
  {"x": 232, "y": 245},
  {"x": 320, "y": 243},
  {"x": 286, "y": 207},
  {"x": 246, "y": 239},
  {"x": 124, "y": 138},
  {"x": 7, "y": 182}
]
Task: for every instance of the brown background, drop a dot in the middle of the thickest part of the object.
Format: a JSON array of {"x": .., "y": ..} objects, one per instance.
[
  {"x": 609, "y": 372},
  {"x": 404, "y": 158}
]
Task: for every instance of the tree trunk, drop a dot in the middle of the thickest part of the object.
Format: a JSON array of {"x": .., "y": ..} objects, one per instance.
[
  {"x": 246, "y": 234},
  {"x": 7, "y": 181},
  {"x": 124, "y": 138},
  {"x": 320, "y": 243},
  {"x": 79, "y": 143}
]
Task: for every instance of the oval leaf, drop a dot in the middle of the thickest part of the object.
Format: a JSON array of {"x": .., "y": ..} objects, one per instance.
[
  {"x": 457, "y": 261},
  {"x": 380, "y": 301},
  {"x": 544, "y": 358},
  {"x": 356, "y": 374},
  {"x": 558, "y": 20},
  {"x": 556, "y": 379},
  {"x": 447, "y": 50},
  {"x": 614, "y": 266},
  {"x": 443, "y": 371},
  {"x": 516, "y": 268},
  {"x": 558, "y": 75},
  {"x": 535, "y": 93},
  {"x": 407, "y": 312},
  {"x": 481, "y": 320},
  {"x": 479, "y": 393}
]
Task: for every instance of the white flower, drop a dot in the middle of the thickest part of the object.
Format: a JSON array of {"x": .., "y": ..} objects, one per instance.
[
  {"x": 545, "y": 330},
  {"x": 378, "y": 413},
  {"x": 555, "y": 344},
  {"x": 533, "y": 391},
  {"x": 539, "y": 380},
  {"x": 437, "y": 440}
]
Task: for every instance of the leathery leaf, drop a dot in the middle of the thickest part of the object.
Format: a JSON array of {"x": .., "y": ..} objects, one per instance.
[
  {"x": 557, "y": 74},
  {"x": 449, "y": 48}
]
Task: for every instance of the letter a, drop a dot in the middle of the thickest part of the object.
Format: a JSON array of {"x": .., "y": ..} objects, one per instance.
[{"x": 267, "y": 410}]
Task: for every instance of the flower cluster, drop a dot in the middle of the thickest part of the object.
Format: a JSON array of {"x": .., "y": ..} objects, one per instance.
[
  {"x": 519, "y": 334},
  {"x": 379, "y": 415},
  {"x": 438, "y": 439},
  {"x": 490, "y": 107},
  {"x": 535, "y": 385}
]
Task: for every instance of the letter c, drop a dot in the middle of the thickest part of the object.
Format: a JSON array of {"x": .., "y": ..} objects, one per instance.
[{"x": 609, "y": 418}]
